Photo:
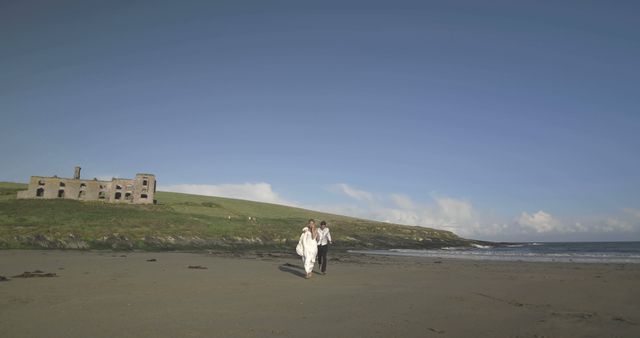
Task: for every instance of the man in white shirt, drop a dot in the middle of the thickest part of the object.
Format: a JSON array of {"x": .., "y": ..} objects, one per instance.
[{"x": 324, "y": 239}]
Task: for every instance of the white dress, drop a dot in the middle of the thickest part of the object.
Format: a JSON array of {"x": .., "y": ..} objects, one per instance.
[{"x": 309, "y": 249}]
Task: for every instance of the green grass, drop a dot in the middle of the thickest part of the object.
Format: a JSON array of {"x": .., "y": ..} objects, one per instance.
[{"x": 185, "y": 222}]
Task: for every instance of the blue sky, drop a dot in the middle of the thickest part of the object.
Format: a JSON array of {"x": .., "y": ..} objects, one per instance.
[{"x": 499, "y": 120}]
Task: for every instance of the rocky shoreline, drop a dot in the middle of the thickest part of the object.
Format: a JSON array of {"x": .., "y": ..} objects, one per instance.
[{"x": 125, "y": 242}]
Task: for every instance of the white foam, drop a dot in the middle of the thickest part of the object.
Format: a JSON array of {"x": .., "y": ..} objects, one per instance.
[
  {"x": 474, "y": 254},
  {"x": 482, "y": 246}
]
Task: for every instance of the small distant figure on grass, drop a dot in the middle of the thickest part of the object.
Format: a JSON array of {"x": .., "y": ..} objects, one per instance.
[
  {"x": 307, "y": 247},
  {"x": 323, "y": 239}
]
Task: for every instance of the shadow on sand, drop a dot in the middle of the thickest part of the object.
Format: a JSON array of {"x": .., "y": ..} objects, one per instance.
[{"x": 293, "y": 269}]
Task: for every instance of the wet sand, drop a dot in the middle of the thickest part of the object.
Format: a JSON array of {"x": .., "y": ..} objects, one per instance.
[{"x": 102, "y": 294}]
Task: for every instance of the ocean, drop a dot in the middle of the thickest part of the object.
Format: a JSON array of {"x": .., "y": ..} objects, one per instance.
[{"x": 569, "y": 252}]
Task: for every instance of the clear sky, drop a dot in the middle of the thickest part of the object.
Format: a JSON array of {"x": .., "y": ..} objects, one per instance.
[{"x": 500, "y": 120}]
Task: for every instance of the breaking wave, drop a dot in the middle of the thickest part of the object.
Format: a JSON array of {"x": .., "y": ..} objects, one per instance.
[{"x": 594, "y": 252}]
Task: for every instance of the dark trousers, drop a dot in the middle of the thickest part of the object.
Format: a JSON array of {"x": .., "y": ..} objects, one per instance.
[{"x": 322, "y": 257}]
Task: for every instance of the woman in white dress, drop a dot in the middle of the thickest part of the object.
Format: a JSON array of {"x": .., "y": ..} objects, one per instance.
[{"x": 308, "y": 247}]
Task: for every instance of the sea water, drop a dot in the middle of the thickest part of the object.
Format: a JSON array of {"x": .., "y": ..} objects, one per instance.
[{"x": 576, "y": 252}]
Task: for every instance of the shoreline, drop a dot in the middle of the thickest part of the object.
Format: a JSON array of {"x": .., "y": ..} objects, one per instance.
[
  {"x": 487, "y": 257},
  {"x": 259, "y": 252},
  {"x": 133, "y": 294}
]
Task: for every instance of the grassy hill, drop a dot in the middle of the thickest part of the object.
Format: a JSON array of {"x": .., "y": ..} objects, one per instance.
[{"x": 188, "y": 222}]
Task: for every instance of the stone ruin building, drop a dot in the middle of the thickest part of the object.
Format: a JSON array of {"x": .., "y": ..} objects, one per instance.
[{"x": 140, "y": 190}]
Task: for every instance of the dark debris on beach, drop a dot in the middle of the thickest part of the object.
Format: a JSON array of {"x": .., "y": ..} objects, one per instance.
[
  {"x": 36, "y": 273},
  {"x": 200, "y": 267}
]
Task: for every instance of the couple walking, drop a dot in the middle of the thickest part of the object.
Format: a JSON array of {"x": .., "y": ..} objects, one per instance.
[{"x": 314, "y": 243}]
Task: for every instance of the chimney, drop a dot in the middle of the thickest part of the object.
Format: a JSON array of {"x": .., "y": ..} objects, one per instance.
[{"x": 76, "y": 173}]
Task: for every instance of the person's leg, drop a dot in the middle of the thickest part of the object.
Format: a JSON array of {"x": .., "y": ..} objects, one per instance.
[
  {"x": 325, "y": 249},
  {"x": 322, "y": 254},
  {"x": 319, "y": 257}
]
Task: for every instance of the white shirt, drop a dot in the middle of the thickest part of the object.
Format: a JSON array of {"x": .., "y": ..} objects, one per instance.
[{"x": 324, "y": 237}]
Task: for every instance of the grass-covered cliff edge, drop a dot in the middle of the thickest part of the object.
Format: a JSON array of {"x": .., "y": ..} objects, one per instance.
[{"x": 189, "y": 222}]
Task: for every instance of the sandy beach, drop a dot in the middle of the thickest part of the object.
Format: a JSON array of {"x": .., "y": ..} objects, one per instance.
[{"x": 123, "y": 294}]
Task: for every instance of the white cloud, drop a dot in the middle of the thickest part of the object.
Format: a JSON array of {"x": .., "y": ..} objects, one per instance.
[
  {"x": 633, "y": 212},
  {"x": 455, "y": 209},
  {"x": 627, "y": 221},
  {"x": 403, "y": 201},
  {"x": 340, "y": 209},
  {"x": 440, "y": 212},
  {"x": 543, "y": 222},
  {"x": 260, "y": 192},
  {"x": 352, "y": 192},
  {"x": 456, "y": 215},
  {"x": 613, "y": 224},
  {"x": 540, "y": 222},
  {"x": 462, "y": 218},
  {"x": 445, "y": 213},
  {"x": 397, "y": 215}
]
